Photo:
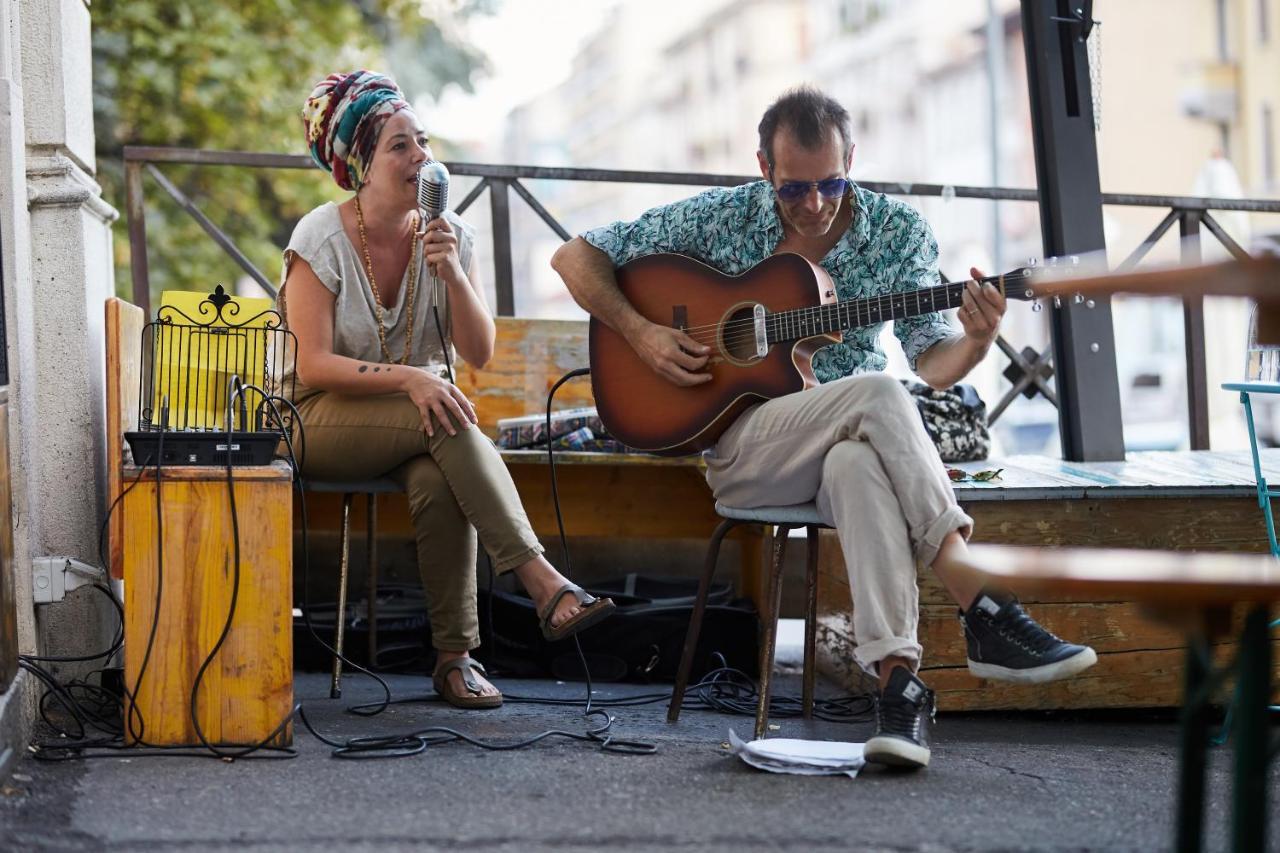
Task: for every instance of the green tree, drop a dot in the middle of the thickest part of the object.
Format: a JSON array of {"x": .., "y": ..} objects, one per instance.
[{"x": 233, "y": 76}]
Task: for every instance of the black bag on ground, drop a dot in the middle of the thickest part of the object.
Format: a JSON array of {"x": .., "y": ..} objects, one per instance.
[
  {"x": 642, "y": 640},
  {"x": 956, "y": 420},
  {"x": 404, "y": 633}
]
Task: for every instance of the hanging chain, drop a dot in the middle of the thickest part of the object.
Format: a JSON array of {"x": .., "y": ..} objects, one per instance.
[{"x": 1093, "y": 48}]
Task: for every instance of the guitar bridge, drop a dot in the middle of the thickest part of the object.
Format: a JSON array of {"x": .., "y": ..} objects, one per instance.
[{"x": 762, "y": 339}]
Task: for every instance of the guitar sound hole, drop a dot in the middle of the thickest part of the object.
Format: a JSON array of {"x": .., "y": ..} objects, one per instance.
[{"x": 737, "y": 335}]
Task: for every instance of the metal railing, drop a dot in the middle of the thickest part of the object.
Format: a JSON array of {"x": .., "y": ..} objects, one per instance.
[{"x": 1029, "y": 370}]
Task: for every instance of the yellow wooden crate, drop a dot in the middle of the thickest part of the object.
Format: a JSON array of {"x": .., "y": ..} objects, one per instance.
[{"x": 248, "y": 688}]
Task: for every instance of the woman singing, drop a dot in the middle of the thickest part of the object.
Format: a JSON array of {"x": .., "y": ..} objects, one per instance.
[{"x": 361, "y": 280}]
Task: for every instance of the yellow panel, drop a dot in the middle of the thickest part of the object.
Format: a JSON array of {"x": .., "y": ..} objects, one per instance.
[{"x": 194, "y": 363}]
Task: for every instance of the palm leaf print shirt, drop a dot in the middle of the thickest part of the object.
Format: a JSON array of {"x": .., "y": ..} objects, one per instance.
[{"x": 888, "y": 248}]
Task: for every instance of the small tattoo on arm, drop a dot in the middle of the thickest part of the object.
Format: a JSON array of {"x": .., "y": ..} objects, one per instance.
[
  {"x": 363, "y": 368},
  {"x": 376, "y": 369}
]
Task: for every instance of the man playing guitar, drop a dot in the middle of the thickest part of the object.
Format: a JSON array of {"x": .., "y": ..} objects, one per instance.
[{"x": 855, "y": 443}]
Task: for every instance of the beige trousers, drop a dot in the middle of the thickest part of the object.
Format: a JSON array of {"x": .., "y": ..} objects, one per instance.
[
  {"x": 457, "y": 486},
  {"x": 858, "y": 448}
]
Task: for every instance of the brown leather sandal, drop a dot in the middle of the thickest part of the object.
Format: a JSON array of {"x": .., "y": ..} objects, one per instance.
[
  {"x": 472, "y": 698},
  {"x": 592, "y": 610}
]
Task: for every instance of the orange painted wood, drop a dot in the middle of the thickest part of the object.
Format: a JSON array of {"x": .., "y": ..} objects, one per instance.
[
  {"x": 1141, "y": 658},
  {"x": 528, "y": 357},
  {"x": 248, "y": 689},
  {"x": 1138, "y": 679},
  {"x": 1140, "y": 662},
  {"x": 124, "y": 323}
]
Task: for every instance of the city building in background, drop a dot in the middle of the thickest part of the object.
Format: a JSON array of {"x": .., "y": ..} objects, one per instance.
[{"x": 1186, "y": 93}]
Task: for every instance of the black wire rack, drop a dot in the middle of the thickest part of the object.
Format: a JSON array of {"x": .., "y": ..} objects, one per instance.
[{"x": 193, "y": 354}]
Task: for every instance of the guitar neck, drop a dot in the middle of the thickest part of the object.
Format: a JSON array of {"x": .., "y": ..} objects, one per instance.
[{"x": 782, "y": 326}]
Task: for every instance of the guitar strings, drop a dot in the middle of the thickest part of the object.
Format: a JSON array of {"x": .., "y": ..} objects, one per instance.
[
  {"x": 744, "y": 329},
  {"x": 853, "y": 306},
  {"x": 741, "y": 331}
]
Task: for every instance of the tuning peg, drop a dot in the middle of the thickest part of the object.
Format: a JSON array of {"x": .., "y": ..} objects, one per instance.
[
  {"x": 1031, "y": 262},
  {"x": 1029, "y": 294},
  {"x": 1075, "y": 260},
  {"x": 1037, "y": 307},
  {"x": 1078, "y": 298},
  {"x": 1089, "y": 303},
  {"x": 1057, "y": 301}
]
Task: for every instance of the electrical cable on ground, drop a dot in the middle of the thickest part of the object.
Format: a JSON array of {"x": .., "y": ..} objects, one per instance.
[{"x": 93, "y": 708}]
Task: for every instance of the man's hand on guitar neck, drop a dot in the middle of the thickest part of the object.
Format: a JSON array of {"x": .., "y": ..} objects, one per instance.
[
  {"x": 950, "y": 360},
  {"x": 672, "y": 354},
  {"x": 981, "y": 311}
]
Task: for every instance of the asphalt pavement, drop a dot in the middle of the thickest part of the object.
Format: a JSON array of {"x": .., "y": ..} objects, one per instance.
[{"x": 996, "y": 782}]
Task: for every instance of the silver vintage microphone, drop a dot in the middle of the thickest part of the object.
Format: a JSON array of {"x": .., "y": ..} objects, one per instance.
[
  {"x": 433, "y": 189},
  {"x": 433, "y": 198}
]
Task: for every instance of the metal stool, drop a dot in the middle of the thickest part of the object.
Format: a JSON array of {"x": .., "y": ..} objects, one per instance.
[
  {"x": 371, "y": 489},
  {"x": 784, "y": 519}
]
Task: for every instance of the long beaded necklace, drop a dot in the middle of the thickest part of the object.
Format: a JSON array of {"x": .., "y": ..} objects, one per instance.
[{"x": 377, "y": 297}]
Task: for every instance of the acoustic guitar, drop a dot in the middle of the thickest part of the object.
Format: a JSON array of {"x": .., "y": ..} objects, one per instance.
[{"x": 763, "y": 328}]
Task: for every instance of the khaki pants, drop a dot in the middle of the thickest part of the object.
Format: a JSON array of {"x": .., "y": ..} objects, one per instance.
[
  {"x": 457, "y": 485},
  {"x": 858, "y": 448}
]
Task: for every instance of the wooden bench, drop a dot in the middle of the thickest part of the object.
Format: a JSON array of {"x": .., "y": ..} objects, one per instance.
[
  {"x": 1189, "y": 501},
  {"x": 1204, "y": 598}
]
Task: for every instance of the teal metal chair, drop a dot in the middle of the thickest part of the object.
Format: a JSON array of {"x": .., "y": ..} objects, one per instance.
[{"x": 1265, "y": 492}]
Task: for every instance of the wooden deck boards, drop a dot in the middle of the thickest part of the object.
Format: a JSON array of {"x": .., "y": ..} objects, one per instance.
[{"x": 1150, "y": 474}]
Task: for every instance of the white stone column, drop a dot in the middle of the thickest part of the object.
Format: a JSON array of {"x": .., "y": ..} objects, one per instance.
[
  {"x": 15, "y": 255},
  {"x": 71, "y": 277}
]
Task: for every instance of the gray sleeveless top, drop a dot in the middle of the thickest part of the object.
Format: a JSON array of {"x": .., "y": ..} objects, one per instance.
[{"x": 320, "y": 240}]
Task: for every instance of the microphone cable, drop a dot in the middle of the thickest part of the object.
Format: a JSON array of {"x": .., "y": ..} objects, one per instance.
[{"x": 555, "y": 500}]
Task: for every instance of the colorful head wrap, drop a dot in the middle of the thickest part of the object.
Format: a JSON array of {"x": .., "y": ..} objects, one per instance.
[{"x": 343, "y": 117}]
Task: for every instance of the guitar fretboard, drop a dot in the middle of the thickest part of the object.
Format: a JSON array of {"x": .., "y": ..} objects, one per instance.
[{"x": 799, "y": 323}]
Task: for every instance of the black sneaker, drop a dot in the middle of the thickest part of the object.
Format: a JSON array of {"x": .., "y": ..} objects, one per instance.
[
  {"x": 1008, "y": 645},
  {"x": 903, "y": 713}
]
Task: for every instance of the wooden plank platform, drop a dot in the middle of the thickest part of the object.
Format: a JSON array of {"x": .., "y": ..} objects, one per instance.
[{"x": 1184, "y": 501}]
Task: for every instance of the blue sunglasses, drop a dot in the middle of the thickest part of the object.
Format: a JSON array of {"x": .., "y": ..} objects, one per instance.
[{"x": 829, "y": 188}]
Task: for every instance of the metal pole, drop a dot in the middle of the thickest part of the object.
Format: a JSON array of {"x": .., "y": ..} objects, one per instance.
[
  {"x": 769, "y": 642},
  {"x": 137, "y": 235},
  {"x": 340, "y": 623},
  {"x": 1193, "y": 335},
  {"x": 695, "y": 621},
  {"x": 1071, "y": 223},
  {"x": 995, "y": 67},
  {"x": 810, "y": 675},
  {"x": 500, "y": 215}
]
